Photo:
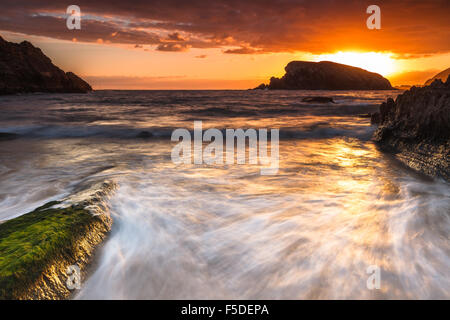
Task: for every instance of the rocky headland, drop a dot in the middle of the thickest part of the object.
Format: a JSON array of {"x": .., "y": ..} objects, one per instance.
[
  {"x": 37, "y": 248},
  {"x": 416, "y": 126},
  {"x": 326, "y": 75},
  {"x": 25, "y": 69},
  {"x": 443, "y": 75}
]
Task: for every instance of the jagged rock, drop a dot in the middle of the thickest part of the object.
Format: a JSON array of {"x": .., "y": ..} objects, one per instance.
[
  {"x": 326, "y": 75},
  {"x": 417, "y": 126},
  {"x": 24, "y": 68},
  {"x": 262, "y": 86}
]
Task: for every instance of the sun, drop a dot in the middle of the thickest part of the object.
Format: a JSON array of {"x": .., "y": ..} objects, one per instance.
[{"x": 379, "y": 62}]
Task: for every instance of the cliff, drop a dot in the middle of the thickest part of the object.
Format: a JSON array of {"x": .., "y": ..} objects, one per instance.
[
  {"x": 416, "y": 126},
  {"x": 24, "y": 68},
  {"x": 325, "y": 75}
]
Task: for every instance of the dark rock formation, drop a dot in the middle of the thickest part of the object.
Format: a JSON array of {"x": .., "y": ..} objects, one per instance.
[
  {"x": 318, "y": 99},
  {"x": 262, "y": 86},
  {"x": 145, "y": 134},
  {"x": 24, "y": 68},
  {"x": 325, "y": 75},
  {"x": 441, "y": 76},
  {"x": 417, "y": 126}
]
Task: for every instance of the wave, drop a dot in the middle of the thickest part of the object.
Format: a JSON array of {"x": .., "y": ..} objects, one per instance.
[
  {"x": 301, "y": 109},
  {"x": 319, "y": 130}
]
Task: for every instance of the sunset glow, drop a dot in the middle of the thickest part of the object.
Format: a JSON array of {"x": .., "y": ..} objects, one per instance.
[
  {"x": 378, "y": 62},
  {"x": 228, "y": 45},
  {"x": 219, "y": 155}
]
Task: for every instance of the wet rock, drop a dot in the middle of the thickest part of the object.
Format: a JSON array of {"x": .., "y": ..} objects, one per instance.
[
  {"x": 145, "y": 135},
  {"x": 375, "y": 118},
  {"x": 37, "y": 248},
  {"x": 417, "y": 126},
  {"x": 318, "y": 99}
]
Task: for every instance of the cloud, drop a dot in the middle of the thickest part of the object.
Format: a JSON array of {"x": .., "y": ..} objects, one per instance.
[
  {"x": 202, "y": 56},
  {"x": 175, "y": 37},
  {"x": 172, "y": 47},
  {"x": 407, "y": 27},
  {"x": 243, "y": 50}
]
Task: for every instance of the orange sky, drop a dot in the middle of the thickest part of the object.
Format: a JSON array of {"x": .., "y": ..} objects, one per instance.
[{"x": 232, "y": 44}]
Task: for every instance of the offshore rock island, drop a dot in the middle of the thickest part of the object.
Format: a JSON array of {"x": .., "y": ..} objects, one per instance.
[
  {"x": 26, "y": 69},
  {"x": 326, "y": 75}
]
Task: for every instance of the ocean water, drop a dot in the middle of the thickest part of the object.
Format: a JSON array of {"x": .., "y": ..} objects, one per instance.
[{"x": 336, "y": 208}]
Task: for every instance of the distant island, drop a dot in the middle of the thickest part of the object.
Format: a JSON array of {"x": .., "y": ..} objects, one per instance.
[
  {"x": 25, "y": 69},
  {"x": 326, "y": 75}
]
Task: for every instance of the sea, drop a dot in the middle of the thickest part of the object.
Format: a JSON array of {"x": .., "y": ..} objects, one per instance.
[{"x": 340, "y": 219}]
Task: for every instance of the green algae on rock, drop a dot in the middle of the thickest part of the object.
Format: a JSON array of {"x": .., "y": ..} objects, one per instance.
[{"x": 36, "y": 248}]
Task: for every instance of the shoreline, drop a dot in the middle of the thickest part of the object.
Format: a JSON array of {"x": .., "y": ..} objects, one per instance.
[{"x": 426, "y": 158}]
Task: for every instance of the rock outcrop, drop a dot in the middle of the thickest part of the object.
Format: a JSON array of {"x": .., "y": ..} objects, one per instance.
[
  {"x": 417, "y": 127},
  {"x": 24, "y": 68},
  {"x": 326, "y": 75},
  {"x": 441, "y": 76},
  {"x": 37, "y": 248},
  {"x": 318, "y": 99}
]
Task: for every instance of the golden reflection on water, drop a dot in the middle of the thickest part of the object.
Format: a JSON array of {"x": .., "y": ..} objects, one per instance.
[{"x": 336, "y": 207}]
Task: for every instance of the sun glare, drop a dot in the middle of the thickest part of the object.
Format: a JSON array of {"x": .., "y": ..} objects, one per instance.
[{"x": 378, "y": 62}]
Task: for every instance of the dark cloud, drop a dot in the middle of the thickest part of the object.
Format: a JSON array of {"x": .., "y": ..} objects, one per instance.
[
  {"x": 243, "y": 50},
  {"x": 408, "y": 26},
  {"x": 173, "y": 47},
  {"x": 175, "y": 37}
]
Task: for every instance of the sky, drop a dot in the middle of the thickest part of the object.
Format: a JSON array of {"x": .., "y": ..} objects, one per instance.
[{"x": 230, "y": 44}]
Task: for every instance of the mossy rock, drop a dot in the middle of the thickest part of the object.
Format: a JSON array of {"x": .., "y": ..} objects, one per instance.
[{"x": 37, "y": 247}]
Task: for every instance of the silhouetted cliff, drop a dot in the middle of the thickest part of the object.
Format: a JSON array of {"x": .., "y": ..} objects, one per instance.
[{"x": 24, "y": 68}]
